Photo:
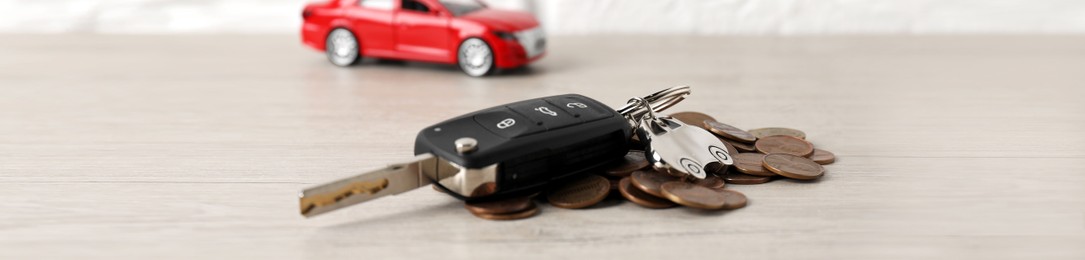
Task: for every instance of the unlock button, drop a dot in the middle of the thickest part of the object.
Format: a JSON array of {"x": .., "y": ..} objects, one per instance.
[{"x": 544, "y": 114}]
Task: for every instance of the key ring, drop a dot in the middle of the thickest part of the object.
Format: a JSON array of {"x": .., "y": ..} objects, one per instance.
[
  {"x": 635, "y": 108},
  {"x": 648, "y": 113}
]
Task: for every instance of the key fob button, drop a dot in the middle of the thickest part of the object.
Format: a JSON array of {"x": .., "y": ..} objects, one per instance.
[
  {"x": 548, "y": 114},
  {"x": 587, "y": 111},
  {"x": 506, "y": 124}
]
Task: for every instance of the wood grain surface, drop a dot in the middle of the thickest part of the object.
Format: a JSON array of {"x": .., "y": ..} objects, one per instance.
[{"x": 194, "y": 147}]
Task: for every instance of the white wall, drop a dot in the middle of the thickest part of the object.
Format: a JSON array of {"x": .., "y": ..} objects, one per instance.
[{"x": 707, "y": 17}]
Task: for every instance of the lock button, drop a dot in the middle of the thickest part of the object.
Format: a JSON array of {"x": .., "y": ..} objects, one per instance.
[
  {"x": 505, "y": 123},
  {"x": 544, "y": 114}
]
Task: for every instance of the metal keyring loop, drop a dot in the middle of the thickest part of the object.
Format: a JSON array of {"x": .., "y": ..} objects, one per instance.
[{"x": 656, "y": 102}]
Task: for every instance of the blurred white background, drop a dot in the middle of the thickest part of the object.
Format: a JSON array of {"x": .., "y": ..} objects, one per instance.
[{"x": 703, "y": 17}]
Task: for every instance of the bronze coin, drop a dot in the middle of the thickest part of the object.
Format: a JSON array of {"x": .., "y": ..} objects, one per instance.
[
  {"x": 530, "y": 211},
  {"x": 581, "y": 193},
  {"x": 784, "y": 144},
  {"x": 752, "y": 164},
  {"x": 692, "y": 118},
  {"x": 649, "y": 181},
  {"x": 745, "y": 179},
  {"x": 634, "y": 160},
  {"x": 771, "y": 131},
  {"x": 794, "y": 167},
  {"x": 639, "y": 197},
  {"x": 733, "y": 199},
  {"x": 729, "y": 132},
  {"x": 823, "y": 157},
  {"x": 741, "y": 147},
  {"x": 693, "y": 195},
  {"x": 504, "y": 206},
  {"x": 711, "y": 181}
]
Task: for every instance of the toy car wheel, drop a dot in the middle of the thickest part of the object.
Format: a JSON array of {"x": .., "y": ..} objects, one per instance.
[
  {"x": 476, "y": 58},
  {"x": 342, "y": 48}
]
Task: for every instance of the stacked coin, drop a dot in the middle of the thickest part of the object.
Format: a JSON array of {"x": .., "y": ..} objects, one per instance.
[{"x": 760, "y": 156}]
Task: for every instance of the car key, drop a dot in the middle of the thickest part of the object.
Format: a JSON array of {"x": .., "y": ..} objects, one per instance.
[{"x": 508, "y": 150}]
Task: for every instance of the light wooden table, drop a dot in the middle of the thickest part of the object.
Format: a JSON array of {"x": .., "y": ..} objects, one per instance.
[{"x": 193, "y": 147}]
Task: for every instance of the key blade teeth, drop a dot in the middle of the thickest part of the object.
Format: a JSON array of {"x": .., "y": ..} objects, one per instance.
[
  {"x": 394, "y": 179},
  {"x": 341, "y": 193}
]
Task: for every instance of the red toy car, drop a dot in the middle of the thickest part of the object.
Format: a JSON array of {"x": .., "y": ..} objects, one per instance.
[{"x": 464, "y": 32}]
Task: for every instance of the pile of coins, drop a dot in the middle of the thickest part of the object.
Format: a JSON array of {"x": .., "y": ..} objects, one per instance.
[{"x": 760, "y": 156}]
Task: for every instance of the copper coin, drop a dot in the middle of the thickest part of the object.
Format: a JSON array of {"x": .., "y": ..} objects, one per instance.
[
  {"x": 772, "y": 131},
  {"x": 530, "y": 211},
  {"x": 504, "y": 206},
  {"x": 794, "y": 167},
  {"x": 733, "y": 199},
  {"x": 692, "y": 118},
  {"x": 741, "y": 147},
  {"x": 823, "y": 157},
  {"x": 613, "y": 184},
  {"x": 581, "y": 193},
  {"x": 634, "y": 160},
  {"x": 745, "y": 179},
  {"x": 784, "y": 144},
  {"x": 649, "y": 181},
  {"x": 639, "y": 197},
  {"x": 693, "y": 195},
  {"x": 729, "y": 132},
  {"x": 752, "y": 164},
  {"x": 710, "y": 181}
]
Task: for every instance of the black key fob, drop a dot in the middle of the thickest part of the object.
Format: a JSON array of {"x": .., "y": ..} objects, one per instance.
[{"x": 517, "y": 148}]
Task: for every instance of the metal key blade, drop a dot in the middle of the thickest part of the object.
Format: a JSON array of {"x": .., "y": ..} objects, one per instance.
[{"x": 391, "y": 180}]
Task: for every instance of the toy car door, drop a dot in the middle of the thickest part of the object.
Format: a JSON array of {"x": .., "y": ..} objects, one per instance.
[
  {"x": 422, "y": 31},
  {"x": 372, "y": 23}
]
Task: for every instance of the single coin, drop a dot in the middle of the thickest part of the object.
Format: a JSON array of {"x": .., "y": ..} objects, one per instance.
[
  {"x": 729, "y": 132},
  {"x": 711, "y": 181},
  {"x": 581, "y": 193},
  {"x": 771, "y": 131},
  {"x": 752, "y": 164},
  {"x": 505, "y": 206},
  {"x": 784, "y": 144},
  {"x": 692, "y": 118},
  {"x": 530, "y": 211},
  {"x": 733, "y": 199},
  {"x": 649, "y": 181},
  {"x": 639, "y": 197},
  {"x": 823, "y": 157},
  {"x": 693, "y": 195},
  {"x": 741, "y": 147},
  {"x": 634, "y": 160},
  {"x": 794, "y": 167},
  {"x": 744, "y": 179}
]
